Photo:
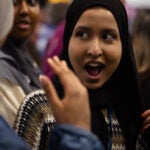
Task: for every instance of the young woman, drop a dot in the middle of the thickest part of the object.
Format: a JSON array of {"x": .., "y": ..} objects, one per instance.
[{"x": 98, "y": 49}]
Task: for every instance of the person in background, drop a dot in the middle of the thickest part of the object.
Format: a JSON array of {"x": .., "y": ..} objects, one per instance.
[
  {"x": 8, "y": 138},
  {"x": 20, "y": 74},
  {"x": 42, "y": 30},
  {"x": 141, "y": 45}
]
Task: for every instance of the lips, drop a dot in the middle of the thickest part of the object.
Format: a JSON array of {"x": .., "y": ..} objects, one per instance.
[
  {"x": 23, "y": 24},
  {"x": 94, "y": 69}
]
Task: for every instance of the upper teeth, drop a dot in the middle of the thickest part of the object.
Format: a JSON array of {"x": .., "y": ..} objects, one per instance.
[{"x": 94, "y": 64}]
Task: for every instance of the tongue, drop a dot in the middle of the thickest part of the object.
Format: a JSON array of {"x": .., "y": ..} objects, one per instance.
[{"x": 93, "y": 72}]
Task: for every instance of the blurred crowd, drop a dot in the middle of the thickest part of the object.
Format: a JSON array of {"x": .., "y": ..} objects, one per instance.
[{"x": 52, "y": 16}]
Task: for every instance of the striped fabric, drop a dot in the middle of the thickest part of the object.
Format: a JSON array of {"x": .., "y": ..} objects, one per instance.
[
  {"x": 117, "y": 138},
  {"x": 35, "y": 121}
]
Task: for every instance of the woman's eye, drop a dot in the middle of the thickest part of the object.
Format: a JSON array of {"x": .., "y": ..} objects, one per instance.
[
  {"x": 31, "y": 2},
  {"x": 109, "y": 37},
  {"x": 82, "y": 34}
]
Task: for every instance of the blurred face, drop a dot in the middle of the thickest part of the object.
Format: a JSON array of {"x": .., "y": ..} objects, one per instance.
[
  {"x": 95, "y": 47},
  {"x": 26, "y": 13}
]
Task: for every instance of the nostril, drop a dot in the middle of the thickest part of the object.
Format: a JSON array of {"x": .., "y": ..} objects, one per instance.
[{"x": 93, "y": 52}]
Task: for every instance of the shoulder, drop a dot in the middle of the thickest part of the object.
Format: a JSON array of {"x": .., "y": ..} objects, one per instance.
[
  {"x": 7, "y": 65},
  {"x": 35, "y": 120},
  {"x": 11, "y": 96}
]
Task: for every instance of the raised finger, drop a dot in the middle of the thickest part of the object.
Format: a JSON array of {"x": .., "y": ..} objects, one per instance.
[
  {"x": 66, "y": 76},
  {"x": 146, "y": 113},
  {"x": 50, "y": 91}
]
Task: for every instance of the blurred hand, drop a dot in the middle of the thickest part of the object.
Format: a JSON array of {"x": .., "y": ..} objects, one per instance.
[
  {"x": 146, "y": 117},
  {"x": 73, "y": 109}
]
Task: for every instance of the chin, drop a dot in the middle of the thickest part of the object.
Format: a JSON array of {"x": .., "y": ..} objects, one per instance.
[{"x": 92, "y": 86}]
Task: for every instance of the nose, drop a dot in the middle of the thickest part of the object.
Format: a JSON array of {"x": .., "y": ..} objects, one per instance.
[
  {"x": 23, "y": 7},
  {"x": 95, "y": 48}
]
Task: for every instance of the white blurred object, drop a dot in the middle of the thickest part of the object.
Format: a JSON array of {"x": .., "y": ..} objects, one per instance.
[
  {"x": 138, "y": 3},
  {"x": 6, "y": 17}
]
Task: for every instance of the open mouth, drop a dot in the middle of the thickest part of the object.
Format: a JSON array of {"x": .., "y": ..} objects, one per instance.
[
  {"x": 94, "y": 68},
  {"x": 23, "y": 24}
]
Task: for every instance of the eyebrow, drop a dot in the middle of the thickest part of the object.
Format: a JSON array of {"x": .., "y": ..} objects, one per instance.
[
  {"x": 82, "y": 28},
  {"x": 110, "y": 30},
  {"x": 86, "y": 28}
]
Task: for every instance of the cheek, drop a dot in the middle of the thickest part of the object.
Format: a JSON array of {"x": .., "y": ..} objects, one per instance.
[
  {"x": 35, "y": 16},
  {"x": 73, "y": 52},
  {"x": 114, "y": 58},
  {"x": 118, "y": 54},
  {"x": 72, "y": 55},
  {"x": 117, "y": 57},
  {"x": 15, "y": 14}
]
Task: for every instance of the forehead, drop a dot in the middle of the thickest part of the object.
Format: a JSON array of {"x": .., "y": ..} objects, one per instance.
[
  {"x": 99, "y": 16},
  {"x": 99, "y": 12}
]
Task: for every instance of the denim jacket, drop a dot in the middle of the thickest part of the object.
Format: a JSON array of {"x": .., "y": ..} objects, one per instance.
[
  {"x": 64, "y": 137},
  {"x": 67, "y": 137}
]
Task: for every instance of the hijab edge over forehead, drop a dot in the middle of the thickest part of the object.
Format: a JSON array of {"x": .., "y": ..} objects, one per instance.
[{"x": 78, "y": 7}]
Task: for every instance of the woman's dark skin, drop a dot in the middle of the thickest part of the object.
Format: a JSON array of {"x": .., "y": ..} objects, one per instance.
[{"x": 26, "y": 14}]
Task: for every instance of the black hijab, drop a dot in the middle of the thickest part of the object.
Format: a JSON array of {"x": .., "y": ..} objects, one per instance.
[{"x": 122, "y": 90}]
